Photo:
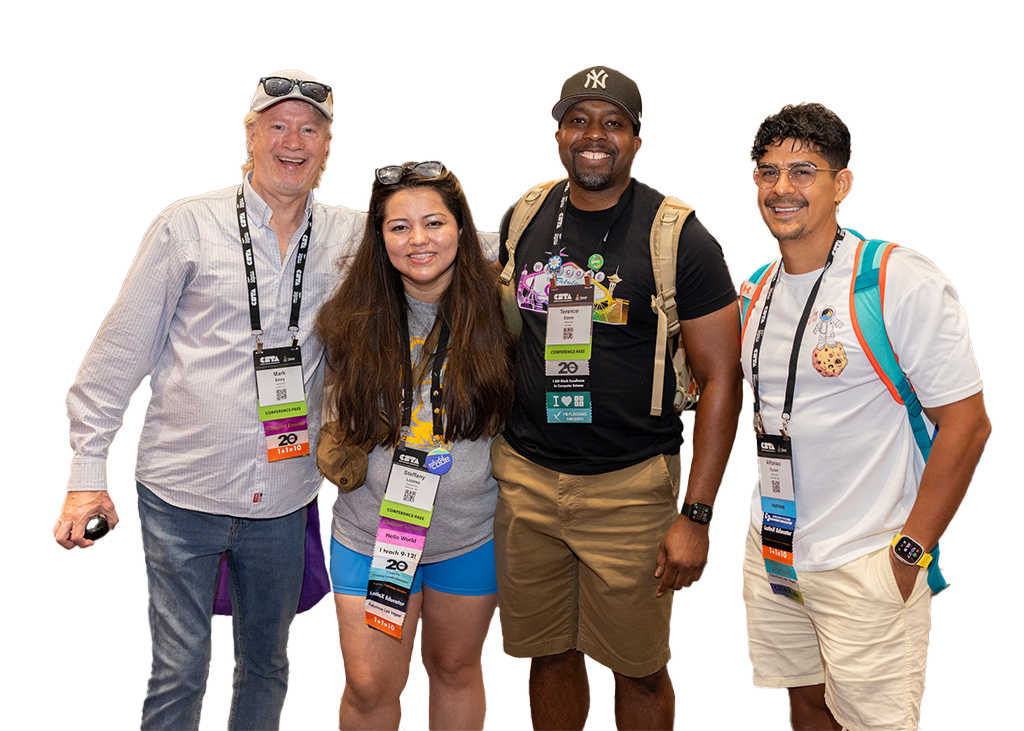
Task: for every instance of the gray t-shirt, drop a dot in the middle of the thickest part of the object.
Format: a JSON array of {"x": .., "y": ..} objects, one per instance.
[{"x": 463, "y": 516}]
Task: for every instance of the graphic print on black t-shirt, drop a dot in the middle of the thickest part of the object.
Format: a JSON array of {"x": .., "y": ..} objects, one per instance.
[{"x": 535, "y": 285}]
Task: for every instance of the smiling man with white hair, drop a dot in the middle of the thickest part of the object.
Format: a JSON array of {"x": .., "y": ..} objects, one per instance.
[{"x": 218, "y": 310}]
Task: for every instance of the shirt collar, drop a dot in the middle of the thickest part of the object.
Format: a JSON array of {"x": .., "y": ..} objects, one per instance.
[{"x": 259, "y": 211}]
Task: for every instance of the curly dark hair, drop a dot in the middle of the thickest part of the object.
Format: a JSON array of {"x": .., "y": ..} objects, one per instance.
[
  {"x": 363, "y": 321},
  {"x": 811, "y": 124}
]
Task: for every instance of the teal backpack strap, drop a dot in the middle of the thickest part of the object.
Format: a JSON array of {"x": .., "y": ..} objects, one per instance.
[
  {"x": 866, "y": 301},
  {"x": 751, "y": 289}
]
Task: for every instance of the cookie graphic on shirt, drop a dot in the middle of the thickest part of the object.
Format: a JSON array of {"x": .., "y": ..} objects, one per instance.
[
  {"x": 829, "y": 356},
  {"x": 830, "y": 360}
]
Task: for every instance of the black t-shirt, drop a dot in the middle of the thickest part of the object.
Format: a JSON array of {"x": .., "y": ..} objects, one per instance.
[{"x": 622, "y": 432}]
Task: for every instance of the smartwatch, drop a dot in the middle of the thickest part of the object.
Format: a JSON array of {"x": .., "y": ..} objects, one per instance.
[
  {"x": 910, "y": 551},
  {"x": 697, "y": 512}
]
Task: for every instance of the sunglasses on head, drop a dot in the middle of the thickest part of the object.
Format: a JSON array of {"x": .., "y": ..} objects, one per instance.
[
  {"x": 280, "y": 86},
  {"x": 392, "y": 174}
]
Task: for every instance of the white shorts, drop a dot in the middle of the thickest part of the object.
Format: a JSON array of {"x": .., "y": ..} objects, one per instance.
[{"x": 853, "y": 633}]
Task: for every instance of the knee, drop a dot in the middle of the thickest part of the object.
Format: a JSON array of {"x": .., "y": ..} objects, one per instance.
[
  {"x": 808, "y": 710},
  {"x": 656, "y": 685},
  {"x": 367, "y": 690},
  {"x": 571, "y": 661},
  {"x": 451, "y": 668},
  {"x": 181, "y": 657}
]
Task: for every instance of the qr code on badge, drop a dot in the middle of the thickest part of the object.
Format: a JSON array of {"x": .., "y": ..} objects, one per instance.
[
  {"x": 282, "y": 394},
  {"x": 409, "y": 497},
  {"x": 567, "y": 333}
]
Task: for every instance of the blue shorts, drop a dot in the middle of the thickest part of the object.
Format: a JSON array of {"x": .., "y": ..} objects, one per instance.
[{"x": 471, "y": 574}]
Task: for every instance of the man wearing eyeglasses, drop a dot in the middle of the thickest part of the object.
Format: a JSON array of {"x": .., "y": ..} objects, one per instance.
[
  {"x": 853, "y": 493},
  {"x": 589, "y": 540},
  {"x": 218, "y": 309}
]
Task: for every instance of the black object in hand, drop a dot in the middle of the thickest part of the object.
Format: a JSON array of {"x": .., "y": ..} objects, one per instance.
[{"x": 96, "y": 528}]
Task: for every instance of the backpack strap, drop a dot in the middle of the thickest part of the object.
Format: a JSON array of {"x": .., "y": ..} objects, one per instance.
[
  {"x": 750, "y": 290},
  {"x": 522, "y": 214},
  {"x": 867, "y": 300},
  {"x": 525, "y": 209},
  {"x": 668, "y": 224}
]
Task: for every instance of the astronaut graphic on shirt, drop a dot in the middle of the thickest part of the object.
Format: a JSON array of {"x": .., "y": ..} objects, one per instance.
[{"x": 829, "y": 355}]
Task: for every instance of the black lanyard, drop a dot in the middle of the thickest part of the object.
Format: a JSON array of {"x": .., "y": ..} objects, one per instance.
[
  {"x": 250, "y": 273},
  {"x": 794, "y": 356},
  {"x": 620, "y": 206},
  {"x": 435, "y": 382}
]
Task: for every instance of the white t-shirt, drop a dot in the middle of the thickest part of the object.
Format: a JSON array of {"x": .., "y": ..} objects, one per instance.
[{"x": 856, "y": 465}]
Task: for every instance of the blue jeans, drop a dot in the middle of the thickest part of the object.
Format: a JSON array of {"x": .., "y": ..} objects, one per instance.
[{"x": 183, "y": 550}]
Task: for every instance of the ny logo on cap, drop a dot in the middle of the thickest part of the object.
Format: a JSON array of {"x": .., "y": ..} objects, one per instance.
[{"x": 598, "y": 77}]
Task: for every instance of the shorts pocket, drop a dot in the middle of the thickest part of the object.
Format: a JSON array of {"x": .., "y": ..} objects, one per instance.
[
  {"x": 889, "y": 579},
  {"x": 670, "y": 474}
]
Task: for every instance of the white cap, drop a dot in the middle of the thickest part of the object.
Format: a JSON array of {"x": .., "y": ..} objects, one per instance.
[{"x": 261, "y": 99}]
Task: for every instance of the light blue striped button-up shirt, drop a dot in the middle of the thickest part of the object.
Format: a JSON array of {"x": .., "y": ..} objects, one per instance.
[{"x": 182, "y": 318}]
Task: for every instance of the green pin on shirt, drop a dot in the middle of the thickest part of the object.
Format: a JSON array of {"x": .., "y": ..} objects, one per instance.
[{"x": 595, "y": 262}]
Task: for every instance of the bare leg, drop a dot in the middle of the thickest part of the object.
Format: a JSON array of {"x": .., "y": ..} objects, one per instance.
[
  {"x": 376, "y": 665},
  {"x": 808, "y": 711},
  {"x": 559, "y": 692},
  {"x": 645, "y": 703},
  {"x": 454, "y": 629}
]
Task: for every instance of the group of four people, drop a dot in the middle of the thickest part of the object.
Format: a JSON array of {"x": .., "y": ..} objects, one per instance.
[{"x": 528, "y": 468}]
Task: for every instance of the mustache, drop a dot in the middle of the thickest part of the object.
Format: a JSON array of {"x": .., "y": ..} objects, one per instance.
[
  {"x": 591, "y": 147},
  {"x": 784, "y": 203}
]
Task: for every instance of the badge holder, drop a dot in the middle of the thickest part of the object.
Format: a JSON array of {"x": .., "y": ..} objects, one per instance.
[
  {"x": 407, "y": 507},
  {"x": 281, "y": 397},
  {"x": 280, "y": 385},
  {"x": 568, "y": 339},
  {"x": 778, "y": 507},
  {"x": 775, "y": 454},
  {"x": 567, "y": 350}
]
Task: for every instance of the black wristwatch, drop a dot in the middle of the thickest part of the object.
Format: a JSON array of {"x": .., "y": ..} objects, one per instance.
[{"x": 697, "y": 512}]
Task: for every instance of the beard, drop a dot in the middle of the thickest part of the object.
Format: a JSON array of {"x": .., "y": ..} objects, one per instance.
[
  {"x": 592, "y": 180},
  {"x": 783, "y": 232}
]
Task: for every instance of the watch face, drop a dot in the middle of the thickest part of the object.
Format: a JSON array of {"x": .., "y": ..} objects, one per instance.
[
  {"x": 909, "y": 550},
  {"x": 700, "y": 513}
]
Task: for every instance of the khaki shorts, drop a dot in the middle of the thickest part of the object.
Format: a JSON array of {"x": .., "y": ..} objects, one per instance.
[
  {"x": 853, "y": 633},
  {"x": 575, "y": 556}
]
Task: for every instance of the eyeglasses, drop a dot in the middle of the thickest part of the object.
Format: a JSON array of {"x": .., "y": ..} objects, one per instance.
[
  {"x": 392, "y": 174},
  {"x": 280, "y": 86},
  {"x": 801, "y": 174}
]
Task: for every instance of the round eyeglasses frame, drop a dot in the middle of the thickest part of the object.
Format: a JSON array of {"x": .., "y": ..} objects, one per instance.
[{"x": 800, "y": 174}]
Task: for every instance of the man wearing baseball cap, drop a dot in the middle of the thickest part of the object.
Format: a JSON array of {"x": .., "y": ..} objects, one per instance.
[
  {"x": 218, "y": 309},
  {"x": 589, "y": 539}
]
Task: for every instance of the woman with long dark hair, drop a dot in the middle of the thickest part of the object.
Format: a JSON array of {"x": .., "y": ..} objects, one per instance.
[{"x": 420, "y": 365}]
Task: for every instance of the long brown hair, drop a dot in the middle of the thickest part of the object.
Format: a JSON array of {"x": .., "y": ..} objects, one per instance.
[{"x": 363, "y": 321}]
